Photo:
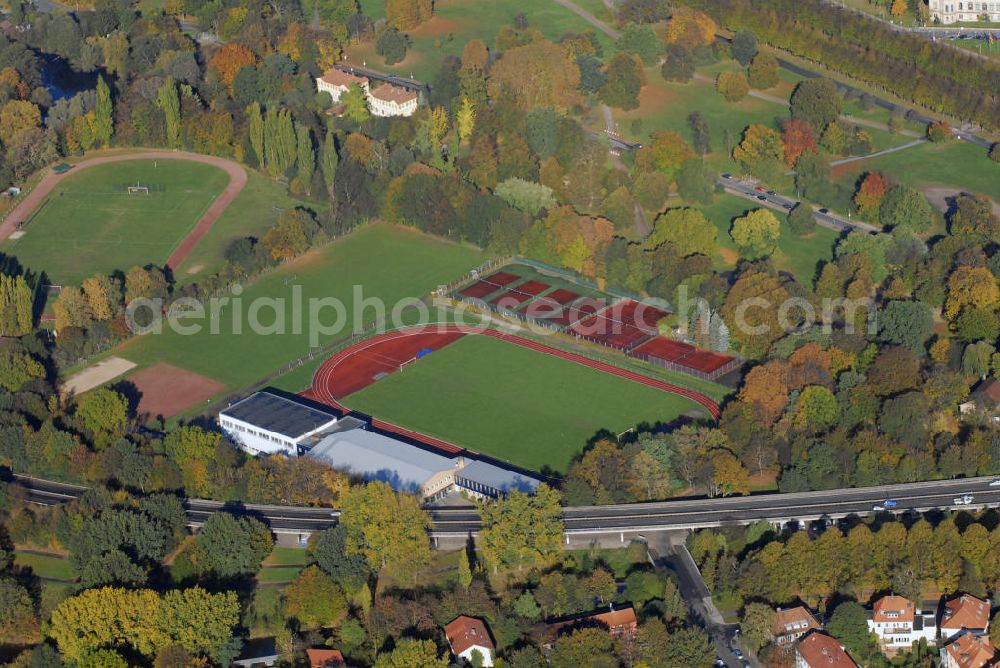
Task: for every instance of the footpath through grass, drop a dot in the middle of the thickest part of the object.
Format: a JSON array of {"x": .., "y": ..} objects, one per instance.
[
  {"x": 90, "y": 224},
  {"x": 515, "y": 404},
  {"x": 378, "y": 262}
]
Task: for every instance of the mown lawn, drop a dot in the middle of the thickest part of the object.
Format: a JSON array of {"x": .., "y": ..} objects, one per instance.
[
  {"x": 515, "y": 404},
  {"x": 378, "y": 262},
  {"x": 251, "y": 214},
  {"x": 90, "y": 224},
  {"x": 799, "y": 255},
  {"x": 45, "y": 566}
]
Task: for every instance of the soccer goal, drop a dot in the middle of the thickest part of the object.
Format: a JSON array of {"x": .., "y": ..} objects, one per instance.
[{"x": 138, "y": 190}]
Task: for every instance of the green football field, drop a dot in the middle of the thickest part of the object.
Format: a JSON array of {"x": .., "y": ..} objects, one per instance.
[
  {"x": 90, "y": 224},
  {"x": 515, "y": 404},
  {"x": 378, "y": 262}
]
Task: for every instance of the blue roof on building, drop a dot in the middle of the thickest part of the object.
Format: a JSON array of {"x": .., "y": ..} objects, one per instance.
[
  {"x": 495, "y": 477},
  {"x": 372, "y": 456}
]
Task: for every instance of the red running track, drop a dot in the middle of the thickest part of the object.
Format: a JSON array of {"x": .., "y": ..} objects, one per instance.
[{"x": 357, "y": 366}]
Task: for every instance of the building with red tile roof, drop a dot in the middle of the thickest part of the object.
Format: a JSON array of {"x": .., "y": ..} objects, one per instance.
[
  {"x": 337, "y": 82},
  {"x": 790, "y": 624},
  {"x": 898, "y": 622},
  {"x": 964, "y": 612},
  {"x": 324, "y": 658},
  {"x": 818, "y": 650},
  {"x": 620, "y": 623},
  {"x": 467, "y": 635},
  {"x": 968, "y": 651}
]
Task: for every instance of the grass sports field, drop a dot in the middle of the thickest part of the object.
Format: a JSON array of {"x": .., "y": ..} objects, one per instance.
[
  {"x": 90, "y": 224},
  {"x": 389, "y": 263},
  {"x": 512, "y": 403}
]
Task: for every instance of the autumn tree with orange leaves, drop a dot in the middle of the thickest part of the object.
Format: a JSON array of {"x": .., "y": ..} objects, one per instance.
[
  {"x": 230, "y": 59},
  {"x": 798, "y": 138},
  {"x": 871, "y": 191}
]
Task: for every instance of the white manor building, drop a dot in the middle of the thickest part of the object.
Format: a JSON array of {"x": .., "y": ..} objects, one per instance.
[
  {"x": 383, "y": 100},
  {"x": 954, "y": 11}
]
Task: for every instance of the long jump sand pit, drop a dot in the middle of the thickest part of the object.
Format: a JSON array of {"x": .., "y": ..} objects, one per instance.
[
  {"x": 97, "y": 375},
  {"x": 166, "y": 390}
]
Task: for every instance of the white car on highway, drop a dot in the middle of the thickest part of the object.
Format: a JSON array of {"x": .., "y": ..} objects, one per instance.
[
  {"x": 995, "y": 483},
  {"x": 963, "y": 500}
]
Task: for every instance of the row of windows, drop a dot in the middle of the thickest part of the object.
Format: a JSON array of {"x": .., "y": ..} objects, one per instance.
[
  {"x": 973, "y": 7},
  {"x": 233, "y": 426}
]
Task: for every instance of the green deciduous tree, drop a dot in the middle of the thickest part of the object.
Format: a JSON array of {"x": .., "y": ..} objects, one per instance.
[
  {"x": 522, "y": 530},
  {"x": 625, "y": 79},
  {"x": 732, "y": 85},
  {"x": 329, "y": 549},
  {"x": 314, "y": 599},
  {"x": 409, "y": 653},
  {"x": 103, "y": 411},
  {"x": 15, "y": 306},
  {"x": 696, "y": 181},
  {"x": 16, "y": 369},
  {"x": 169, "y": 103},
  {"x": 104, "y": 123},
  {"x": 744, "y": 47},
  {"x": 756, "y": 233},
  {"x": 906, "y": 323},
  {"x": 641, "y": 40},
  {"x": 763, "y": 71},
  {"x": 306, "y": 157},
  {"x": 817, "y": 101},
  {"x": 687, "y": 230},
  {"x": 230, "y": 546},
  {"x": 906, "y": 207},
  {"x": 387, "y": 528}
]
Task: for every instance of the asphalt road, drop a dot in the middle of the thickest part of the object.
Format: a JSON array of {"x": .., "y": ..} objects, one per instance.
[
  {"x": 624, "y": 518},
  {"x": 763, "y": 197}
]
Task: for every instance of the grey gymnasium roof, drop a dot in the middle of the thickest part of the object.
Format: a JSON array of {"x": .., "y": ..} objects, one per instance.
[
  {"x": 497, "y": 478},
  {"x": 407, "y": 467},
  {"x": 278, "y": 414},
  {"x": 375, "y": 457}
]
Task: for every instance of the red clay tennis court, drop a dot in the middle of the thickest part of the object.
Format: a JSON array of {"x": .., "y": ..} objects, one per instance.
[
  {"x": 683, "y": 354},
  {"x": 622, "y": 325},
  {"x": 501, "y": 278},
  {"x": 478, "y": 290}
]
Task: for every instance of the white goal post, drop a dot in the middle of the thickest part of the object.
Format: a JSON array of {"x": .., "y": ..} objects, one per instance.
[{"x": 135, "y": 190}]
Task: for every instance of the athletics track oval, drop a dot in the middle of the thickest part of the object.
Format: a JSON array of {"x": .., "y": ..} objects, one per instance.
[{"x": 359, "y": 365}]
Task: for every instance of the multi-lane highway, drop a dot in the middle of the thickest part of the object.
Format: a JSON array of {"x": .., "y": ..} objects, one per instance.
[{"x": 626, "y": 518}]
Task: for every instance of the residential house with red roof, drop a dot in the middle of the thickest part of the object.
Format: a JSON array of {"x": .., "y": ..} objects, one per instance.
[
  {"x": 818, "y": 650},
  {"x": 468, "y": 635},
  {"x": 968, "y": 651},
  {"x": 964, "y": 613},
  {"x": 790, "y": 624},
  {"x": 898, "y": 623},
  {"x": 325, "y": 658}
]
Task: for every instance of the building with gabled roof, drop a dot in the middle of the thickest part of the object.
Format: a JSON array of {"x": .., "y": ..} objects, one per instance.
[
  {"x": 968, "y": 651},
  {"x": 898, "y": 622},
  {"x": 790, "y": 624},
  {"x": 620, "y": 623},
  {"x": 818, "y": 650},
  {"x": 324, "y": 658},
  {"x": 467, "y": 635},
  {"x": 964, "y": 613},
  {"x": 389, "y": 100},
  {"x": 337, "y": 82}
]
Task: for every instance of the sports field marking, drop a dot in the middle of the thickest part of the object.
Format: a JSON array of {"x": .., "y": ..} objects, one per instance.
[
  {"x": 237, "y": 181},
  {"x": 97, "y": 375}
]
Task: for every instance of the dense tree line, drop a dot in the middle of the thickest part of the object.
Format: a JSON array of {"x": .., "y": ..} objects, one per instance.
[{"x": 935, "y": 76}]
